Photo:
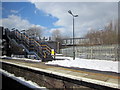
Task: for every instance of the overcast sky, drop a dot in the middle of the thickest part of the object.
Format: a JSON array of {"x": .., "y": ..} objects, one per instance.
[{"x": 50, "y": 16}]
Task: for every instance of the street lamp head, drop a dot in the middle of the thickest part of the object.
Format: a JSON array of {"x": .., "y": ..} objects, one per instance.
[
  {"x": 75, "y": 15},
  {"x": 70, "y": 12}
]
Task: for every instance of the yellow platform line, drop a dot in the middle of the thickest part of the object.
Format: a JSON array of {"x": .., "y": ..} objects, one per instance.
[{"x": 90, "y": 73}]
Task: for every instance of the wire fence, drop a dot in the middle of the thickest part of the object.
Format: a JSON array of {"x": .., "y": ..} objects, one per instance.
[{"x": 103, "y": 52}]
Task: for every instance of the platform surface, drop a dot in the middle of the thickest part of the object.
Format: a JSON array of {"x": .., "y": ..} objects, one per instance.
[{"x": 96, "y": 78}]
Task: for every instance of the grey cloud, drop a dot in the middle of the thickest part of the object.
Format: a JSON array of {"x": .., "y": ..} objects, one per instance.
[{"x": 91, "y": 14}]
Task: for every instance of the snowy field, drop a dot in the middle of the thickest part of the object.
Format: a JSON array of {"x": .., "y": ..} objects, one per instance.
[{"x": 101, "y": 65}]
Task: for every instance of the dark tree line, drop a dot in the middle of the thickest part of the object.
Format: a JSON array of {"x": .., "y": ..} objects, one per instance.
[{"x": 109, "y": 35}]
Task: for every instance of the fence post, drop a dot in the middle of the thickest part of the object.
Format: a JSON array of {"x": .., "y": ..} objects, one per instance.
[
  {"x": 117, "y": 52},
  {"x": 91, "y": 52}
]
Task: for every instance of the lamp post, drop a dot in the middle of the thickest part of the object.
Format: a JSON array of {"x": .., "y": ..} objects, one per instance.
[{"x": 73, "y": 33}]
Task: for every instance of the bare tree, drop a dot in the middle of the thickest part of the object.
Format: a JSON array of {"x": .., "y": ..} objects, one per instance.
[
  {"x": 35, "y": 31},
  {"x": 108, "y": 35},
  {"x": 56, "y": 35}
]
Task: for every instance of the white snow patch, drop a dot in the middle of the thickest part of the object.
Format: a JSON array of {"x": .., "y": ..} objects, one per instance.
[
  {"x": 21, "y": 80},
  {"x": 101, "y": 65},
  {"x": 3, "y": 56},
  {"x": 58, "y": 54},
  {"x": 64, "y": 58},
  {"x": 24, "y": 59}
]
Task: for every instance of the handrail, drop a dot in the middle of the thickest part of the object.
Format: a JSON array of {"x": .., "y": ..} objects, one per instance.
[
  {"x": 36, "y": 46},
  {"x": 21, "y": 45},
  {"x": 46, "y": 46},
  {"x": 47, "y": 49},
  {"x": 44, "y": 55}
]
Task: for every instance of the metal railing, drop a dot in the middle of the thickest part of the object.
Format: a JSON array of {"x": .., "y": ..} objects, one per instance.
[
  {"x": 32, "y": 45},
  {"x": 104, "y": 52}
]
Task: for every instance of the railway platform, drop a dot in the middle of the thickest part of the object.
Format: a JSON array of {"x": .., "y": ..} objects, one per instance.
[{"x": 64, "y": 77}]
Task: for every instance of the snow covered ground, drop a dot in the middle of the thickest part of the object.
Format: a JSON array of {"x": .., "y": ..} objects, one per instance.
[
  {"x": 23, "y": 59},
  {"x": 101, "y": 65},
  {"x": 21, "y": 80},
  {"x": 95, "y": 64}
]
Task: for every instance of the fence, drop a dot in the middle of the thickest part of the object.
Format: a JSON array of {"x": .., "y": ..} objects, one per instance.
[{"x": 106, "y": 52}]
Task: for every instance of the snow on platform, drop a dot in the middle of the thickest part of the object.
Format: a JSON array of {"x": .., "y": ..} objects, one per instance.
[
  {"x": 101, "y": 65},
  {"x": 80, "y": 76},
  {"x": 21, "y": 80},
  {"x": 23, "y": 59},
  {"x": 94, "y": 64}
]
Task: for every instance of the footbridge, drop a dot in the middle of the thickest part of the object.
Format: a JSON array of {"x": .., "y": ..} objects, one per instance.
[{"x": 18, "y": 43}]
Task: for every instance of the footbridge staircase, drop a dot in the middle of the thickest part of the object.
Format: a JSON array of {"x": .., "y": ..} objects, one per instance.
[{"x": 18, "y": 43}]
